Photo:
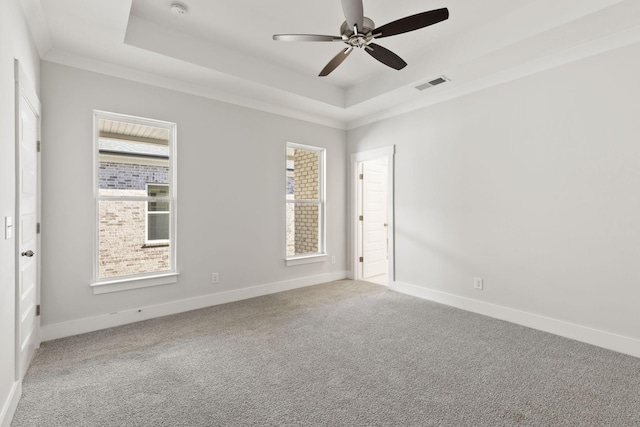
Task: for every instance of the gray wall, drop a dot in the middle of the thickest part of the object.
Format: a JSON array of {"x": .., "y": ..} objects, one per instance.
[
  {"x": 533, "y": 185},
  {"x": 231, "y": 192},
  {"x": 15, "y": 42}
]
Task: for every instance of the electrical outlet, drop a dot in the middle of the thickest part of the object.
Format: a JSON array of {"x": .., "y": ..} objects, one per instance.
[
  {"x": 333, "y": 259},
  {"x": 215, "y": 277},
  {"x": 478, "y": 283}
]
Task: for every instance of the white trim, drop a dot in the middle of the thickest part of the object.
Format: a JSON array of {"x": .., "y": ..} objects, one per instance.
[
  {"x": 126, "y": 198},
  {"x": 9, "y": 406},
  {"x": 321, "y": 202},
  {"x": 615, "y": 342},
  {"x": 128, "y": 283},
  {"x": 291, "y": 105},
  {"x": 25, "y": 90},
  {"x": 80, "y": 326},
  {"x": 305, "y": 259},
  {"x": 536, "y": 65},
  {"x": 173, "y": 203},
  {"x": 37, "y": 22},
  {"x": 356, "y": 159},
  {"x": 313, "y": 111},
  {"x": 363, "y": 156}
]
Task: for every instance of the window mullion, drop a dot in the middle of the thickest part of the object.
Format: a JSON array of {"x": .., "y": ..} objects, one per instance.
[
  {"x": 124, "y": 198},
  {"x": 304, "y": 201}
]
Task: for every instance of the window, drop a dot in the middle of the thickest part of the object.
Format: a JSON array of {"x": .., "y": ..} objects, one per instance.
[
  {"x": 135, "y": 189},
  {"x": 158, "y": 214},
  {"x": 305, "y": 204}
]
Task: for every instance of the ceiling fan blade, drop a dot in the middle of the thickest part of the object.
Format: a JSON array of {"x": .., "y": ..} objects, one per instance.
[
  {"x": 385, "y": 56},
  {"x": 306, "y": 38},
  {"x": 353, "y": 13},
  {"x": 411, "y": 23},
  {"x": 337, "y": 60}
]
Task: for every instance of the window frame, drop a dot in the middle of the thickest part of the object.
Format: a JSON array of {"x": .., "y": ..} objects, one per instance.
[
  {"x": 155, "y": 242},
  {"x": 134, "y": 281},
  {"x": 321, "y": 255}
]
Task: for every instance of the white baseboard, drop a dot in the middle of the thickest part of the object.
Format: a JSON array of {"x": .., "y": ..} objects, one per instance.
[
  {"x": 574, "y": 331},
  {"x": 89, "y": 324},
  {"x": 10, "y": 404}
]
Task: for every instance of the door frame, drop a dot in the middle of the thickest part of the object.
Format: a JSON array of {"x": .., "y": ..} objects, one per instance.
[
  {"x": 356, "y": 160},
  {"x": 24, "y": 88}
]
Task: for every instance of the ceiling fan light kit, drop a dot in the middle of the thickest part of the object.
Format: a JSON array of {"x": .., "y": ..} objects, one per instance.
[{"x": 358, "y": 31}]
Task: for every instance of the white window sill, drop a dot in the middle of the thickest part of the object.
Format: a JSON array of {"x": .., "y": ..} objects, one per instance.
[
  {"x": 117, "y": 285},
  {"x": 306, "y": 259}
]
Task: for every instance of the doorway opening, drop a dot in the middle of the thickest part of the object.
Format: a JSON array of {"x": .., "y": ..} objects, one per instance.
[{"x": 373, "y": 216}]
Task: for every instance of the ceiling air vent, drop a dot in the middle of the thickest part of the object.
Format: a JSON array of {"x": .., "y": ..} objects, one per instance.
[{"x": 434, "y": 82}]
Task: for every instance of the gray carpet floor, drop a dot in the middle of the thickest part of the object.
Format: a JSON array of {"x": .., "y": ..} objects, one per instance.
[{"x": 340, "y": 354}]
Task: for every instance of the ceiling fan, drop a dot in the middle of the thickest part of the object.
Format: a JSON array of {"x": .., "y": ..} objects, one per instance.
[{"x": 359, "y": 31}]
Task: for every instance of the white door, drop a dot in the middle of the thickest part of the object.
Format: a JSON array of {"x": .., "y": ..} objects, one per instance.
[
  {"x": 27, "y": 295},
  {"x": 374, "y": 222}
]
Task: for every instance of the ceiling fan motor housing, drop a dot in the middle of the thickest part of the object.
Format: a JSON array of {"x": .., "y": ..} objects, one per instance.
[{"x": 362, "y": 38}]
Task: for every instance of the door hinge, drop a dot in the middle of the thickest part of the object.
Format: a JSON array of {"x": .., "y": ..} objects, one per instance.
[
  {"x": 361, "y": 218},
  {"x": 38, "y": 228},
  {"x": 361, "y": 259},
  {"x": 38, "y": 146},
  {"x": 361, "y": 176},
  {"x": 38, "y": 310}
]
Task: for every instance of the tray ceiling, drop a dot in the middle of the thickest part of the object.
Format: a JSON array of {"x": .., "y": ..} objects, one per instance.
[{"x": 224, "y": 50}]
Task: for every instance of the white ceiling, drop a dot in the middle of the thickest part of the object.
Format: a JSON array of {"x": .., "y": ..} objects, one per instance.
[{"x": 224, "y": 49}]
